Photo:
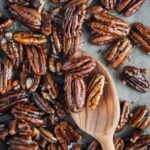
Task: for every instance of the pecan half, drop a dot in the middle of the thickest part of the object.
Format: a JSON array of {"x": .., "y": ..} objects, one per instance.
[
  {"x": 66, "y": 134},
  {"x": 28, "y": 16},
  {"x": 119, "y": 52},
  {"x": 140, "y": 35},
  {"x": 75, "y": 92},
  {"x": 80, "y": 66},
  {"x": 109, "y": 4},
  {"x": 119, "y": 144},
  {"x": 95, "y": 90},
  {"x": 136, "y": 78},
  {"x": 29, "y": 38},
  {"x": 124, "y": 115},
  {"x": 141, "y": 118},
  {"x": 129, "y": 7},
  {"x": 43, "y": 104},
  {"x": 37, "y": 59},
  {"x": 28, "y": 113},
  {"x": 6, "y": 24},
  {"x": 94, "y": 146}
]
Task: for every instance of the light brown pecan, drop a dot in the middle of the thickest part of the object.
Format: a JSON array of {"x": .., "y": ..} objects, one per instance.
[
  {"x": 43, "y": 104},
  {"x": 28, "y": 16},
  {"x": 3, "y": 131},
  {"x": 37, "y": 59},
  {"x": 55, "y": 65},
  {"x": 109, "y": 4},
  {"x": 119, "y": 143},
  {"x": 22, "y": 143},
  {"x": 129, "y": 7},
  {"x": 136, "y": 78},
  {"x": 80, "y": 66},
  {"x": 108, "y": 28},
  {"x": 140, "y": 35},
  {"x": 29, "y": 113},
  {"x": 124, "y": 115},
  {"x": 66, "y": 134},
  {"x": 94, "y": 146},
  {"x": 141, "y": 118},
  {"x": 95, "y": 90},
  {"x": 29, "y": 80},
  {"x": 75, "y": 92},
  {"x": 29, "y": 38},
  {"x": 119, "y": 52},
  {"x": 6, "y": 24}
]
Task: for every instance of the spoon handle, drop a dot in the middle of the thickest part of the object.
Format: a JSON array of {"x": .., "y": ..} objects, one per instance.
[{"x": 107, "y": 143}]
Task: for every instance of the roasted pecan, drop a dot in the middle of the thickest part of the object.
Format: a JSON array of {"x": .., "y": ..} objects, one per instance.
[
  {"x": 109, "y": 4},
  {"x": 119, "y": 144},
  {"x": 140, "y": 35},
  {"x": 81, "y": 65},
  {"x": 6, "y": 24},
  {"x": 22, "y": 143},
  {"x": 129, "y": 7},
  {"x": 28, "y": 113},
  {"x": 136, "y": 78},
  {"x": 66, "y": 134},
  {"x": 28, "y": 16},
  {"x": 47, "y": 135},
  {"x": 29, "y": 80},
  {"x": 94, "y": 146},
  {"x": 75, "y": 92},
  {"x": 108, "y": 28},
  {"x": 43, "y": 104},
  {"x": 55, "y": 65},
  {"x": 124, "y": 115},
  {"x": 119, "y": 52},
  {"x": 37, "y": 59},
  {"x": 95, "y": 90},
  {"x": 3, "y": 131},
  {"x": 29, "y": 38},
  {"x": 141, "y": 118}
]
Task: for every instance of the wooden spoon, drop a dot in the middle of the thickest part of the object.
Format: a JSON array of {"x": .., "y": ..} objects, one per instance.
[{"x": 101, "y": 122}]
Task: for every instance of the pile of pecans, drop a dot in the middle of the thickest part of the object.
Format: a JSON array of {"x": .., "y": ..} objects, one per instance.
[{"x": 42, "y": 76}]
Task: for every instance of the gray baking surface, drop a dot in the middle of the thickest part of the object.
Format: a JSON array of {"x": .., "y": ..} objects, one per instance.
[{"x": 138, "y": 58}]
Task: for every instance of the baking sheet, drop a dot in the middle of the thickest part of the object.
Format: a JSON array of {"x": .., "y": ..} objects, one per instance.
[{"x": 138, "y": 58}]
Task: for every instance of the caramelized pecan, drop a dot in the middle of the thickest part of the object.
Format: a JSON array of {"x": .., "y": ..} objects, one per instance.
[
  {"x": 75, "y": 92},
  {"x": 6, "y": 24},
  {"x": 28, "y": 113},
  {"x": 124, "y": 115},
  {"x": 109, "y": 4},
  {"x": 119, "y": 144},
  {"x": 37, "y": 59},
  {"x": 129, "y": 7},
  {"x": 141, "y": 118},
  {"x": 95, "y": 90},
  {"x": 29, "y": 38},
  {"x": 94, "y": 146},
  {"x": 119, "y": 52},
  {"x": 28, "y": 16},
  {"x": 140, "y": 35},
  {"x": 136, "y": 78}
]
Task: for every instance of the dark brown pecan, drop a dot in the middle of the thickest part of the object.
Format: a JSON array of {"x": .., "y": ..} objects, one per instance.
[
  {"x": 136, "y": 78},
  {"x": 22, "y": 143},
  {"x": 12, "y": 127},
  {"x": 129, "y": 7},
  {"x": 28, "y": 113},
  {"x": 94, "y": 146},
  {"x": 140, "y": 35},
  {"x": 141, "y": 118},
  {"x": 80, "y": 66},
  {"x": 43, "y": 104},
  {"x": 3, "y": 131},
  {"x": 29, "y": 38},
  {"x": 119, "y": 144},
  {"x": 119, "y": 52},
  {"x": 124, "y": 115},
  {"x": 29, "y": 80},
  {"x": 37, "y": 59},
  {"x": 95, "y": 90},
  {"x": 47, "y": 135},
  {"x": 109, "y": 4},
  {"x": 6, "y": 24},
  {"x": 108, "y": 28},
  {"x": 28, "y": 16},
  {"x": 55, "y": 65},
  {"x": 75, "y": 92},
  {"x": 66, "y": 134}
]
